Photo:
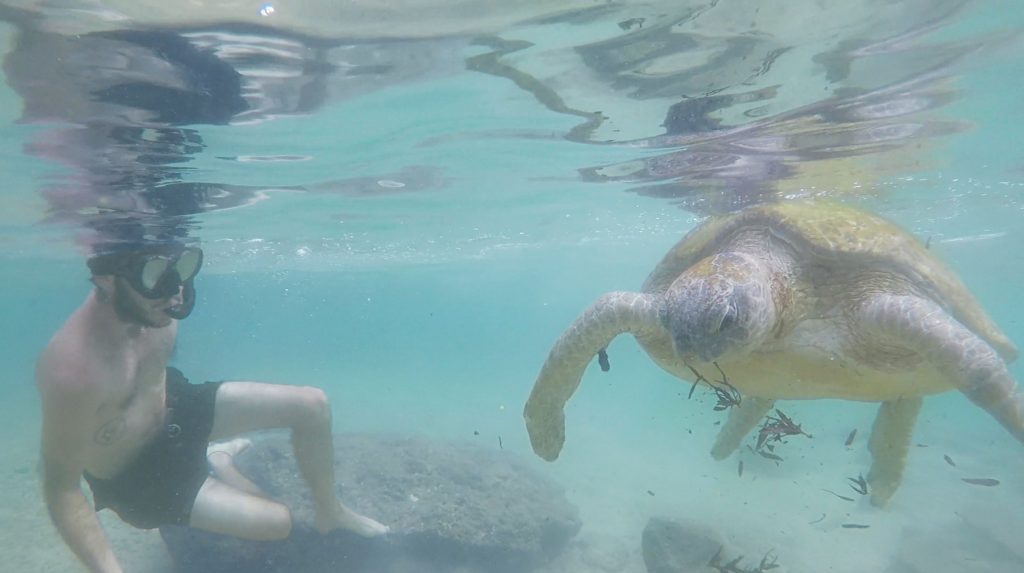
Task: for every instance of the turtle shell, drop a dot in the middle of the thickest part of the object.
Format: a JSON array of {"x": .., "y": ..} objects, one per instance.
[{"x": 830, "y": 233}]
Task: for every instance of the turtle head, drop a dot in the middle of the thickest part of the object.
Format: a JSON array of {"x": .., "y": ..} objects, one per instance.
[{"x": 721, "y": 305}]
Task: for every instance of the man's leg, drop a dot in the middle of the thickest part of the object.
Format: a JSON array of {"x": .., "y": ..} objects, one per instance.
[
  {"x": 248, "y": 406},
  {"x": 223, "y": 509},
  {"x": 221, "y": 457}
]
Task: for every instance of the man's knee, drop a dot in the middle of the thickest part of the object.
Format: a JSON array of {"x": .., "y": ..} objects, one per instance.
[
  {"x": 315, "y": 406},
  {"x": 280, "y": 527}
]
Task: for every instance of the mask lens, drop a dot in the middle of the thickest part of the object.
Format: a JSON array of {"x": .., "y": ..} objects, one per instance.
[
  {"x": 188, "y": 264},
  {"x": 152, "y": 272}
]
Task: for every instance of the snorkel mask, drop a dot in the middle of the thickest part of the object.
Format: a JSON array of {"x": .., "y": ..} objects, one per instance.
[{"x": 156, "y": 273}]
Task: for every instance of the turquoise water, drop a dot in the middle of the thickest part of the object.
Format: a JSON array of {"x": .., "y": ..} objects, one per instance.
[{"x": 414, "y": 242}]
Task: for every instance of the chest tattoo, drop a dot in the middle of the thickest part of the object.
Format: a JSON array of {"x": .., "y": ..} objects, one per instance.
[{"x": 110, "y": 432}]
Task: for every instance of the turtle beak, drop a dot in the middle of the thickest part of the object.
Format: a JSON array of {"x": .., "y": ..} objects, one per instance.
[
  {"x": 695, "y": 329},
  {"x": 711, "y": 352},
  {"x": 705, "y": 351}
]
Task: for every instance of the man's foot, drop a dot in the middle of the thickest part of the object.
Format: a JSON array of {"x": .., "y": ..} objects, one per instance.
[
  {"x": 221, "y": 456},
  {"x": 230, "y": 447},
  {"x": 344, "y": 518}
]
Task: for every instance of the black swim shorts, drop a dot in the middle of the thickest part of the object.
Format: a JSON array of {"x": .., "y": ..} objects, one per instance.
[{"x": 160, "y": 486}]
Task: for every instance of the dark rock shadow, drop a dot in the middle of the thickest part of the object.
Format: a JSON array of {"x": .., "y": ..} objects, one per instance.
[{"x": 450, "y": 507}]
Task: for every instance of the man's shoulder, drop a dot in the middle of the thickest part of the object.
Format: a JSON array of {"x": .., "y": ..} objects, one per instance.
[
  {"x": 54, "y": 374},
  {"x": 67, "y": 361}
]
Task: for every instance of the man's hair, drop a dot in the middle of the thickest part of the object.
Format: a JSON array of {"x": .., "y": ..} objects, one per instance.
[{"x": 106, "y": 264}]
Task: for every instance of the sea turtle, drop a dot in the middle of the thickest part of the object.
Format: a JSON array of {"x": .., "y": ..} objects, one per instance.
[{"x": 798, "y": 300}]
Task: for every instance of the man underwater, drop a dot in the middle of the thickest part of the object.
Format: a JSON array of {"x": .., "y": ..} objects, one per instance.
[{"x": 139, "y": 432}]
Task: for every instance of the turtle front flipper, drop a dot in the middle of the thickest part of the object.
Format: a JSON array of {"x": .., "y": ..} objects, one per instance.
[
  {"x": 966, "y": 360},
  {"x": 741, "y": 420},
  {"x": 611, "y": 315},
  {"x": 889, "y": 444}
]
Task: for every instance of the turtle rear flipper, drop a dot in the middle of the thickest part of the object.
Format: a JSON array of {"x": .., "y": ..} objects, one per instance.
[
  {"x": 967, "y": 361},
  {"x": 889, "y": 445}
]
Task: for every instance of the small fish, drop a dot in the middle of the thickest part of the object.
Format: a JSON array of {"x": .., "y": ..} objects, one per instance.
[
  {"x": 928, "y": 242},
  {"x": 987, "y": 482},
  {"x": 849, "y": 439},
  {"x": 839, "y": 496},
  {"x": 855, "y": 526},
  {"x": 500, "y": 445},
  {"x": 819, "y": 520},
  {"x": 949, "y": 461},
  {"x": 768, "y": 455},
  {"x": 476, "y": 432},
  {"x": 650, "y": 493},
  {"x": 602, "y": 359},
  {"x": 740, "y": 469}
]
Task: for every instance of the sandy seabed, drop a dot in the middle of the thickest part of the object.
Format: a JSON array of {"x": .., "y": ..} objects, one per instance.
[{"x": 936, "y": 523}]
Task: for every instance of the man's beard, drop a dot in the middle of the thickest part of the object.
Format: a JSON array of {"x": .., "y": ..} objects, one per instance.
[{"x": 129, "y": 310}]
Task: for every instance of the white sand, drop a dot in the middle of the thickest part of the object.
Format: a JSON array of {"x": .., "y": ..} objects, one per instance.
[{"x": 936, "y": 522}]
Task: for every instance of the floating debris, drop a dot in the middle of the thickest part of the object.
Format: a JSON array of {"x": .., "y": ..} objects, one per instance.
[
  {"x": 768, "y": 562},
  {"x": 819, "y": 520},
  {"x": 697, "y": 380},
  {"x": 727, "y": 394},
  {"x": 628, "y": 24},
  {"x": 778, "y": 427},
  {"x": 987, "y": 482},
  {"x": 859, "y": 484},
  {"x": 849, "y": 439},
  {"x": 500, "y": 445},
  {"x": 855, "y": 526}
]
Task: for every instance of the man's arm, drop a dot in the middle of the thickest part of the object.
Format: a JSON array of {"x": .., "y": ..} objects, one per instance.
[{"x": 68, "y": 410}]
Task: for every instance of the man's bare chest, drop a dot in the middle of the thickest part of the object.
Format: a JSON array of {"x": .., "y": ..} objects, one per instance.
[{"x": 131, "y": 412}]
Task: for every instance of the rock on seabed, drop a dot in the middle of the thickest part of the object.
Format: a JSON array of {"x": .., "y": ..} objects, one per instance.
[{"x": 451, "y": 507}]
